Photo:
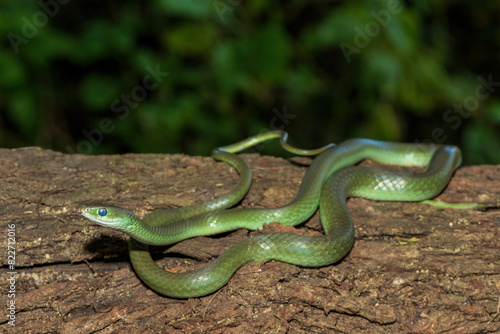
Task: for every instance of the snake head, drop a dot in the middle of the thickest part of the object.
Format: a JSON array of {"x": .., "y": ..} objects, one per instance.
[{"x": 109, "y": 216}]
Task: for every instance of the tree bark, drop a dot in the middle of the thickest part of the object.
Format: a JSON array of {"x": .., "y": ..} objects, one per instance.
[{"x": 413, "y": 268}]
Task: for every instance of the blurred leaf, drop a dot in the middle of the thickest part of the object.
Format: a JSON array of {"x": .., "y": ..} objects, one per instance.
[
  {"x": 384, "y": 68},
  {"x": 23, "y": 111},
  {"x": 188, "y": 8},
  {"x": 424, "y": 84},
  {"x": 190, "y": 39},
  {"x": 11, "y": 71},
  {"x": 229, "y": 70},
  {"x": 493, "y": 111},
  {"x": 385, "y": 124},
  {"x": 103, "y": 37},
  {"x": 265, "y": 55},
  {"x": 302, "y": 82},
  {"x": 479, "y": 144},
  {"x": 269, "y": 53},
  {"x": 338, "y": 26},
  {"x": 48, "y": 45},
  {"x": 98, "y": 91},
  {"x": 403, "y": 33}
]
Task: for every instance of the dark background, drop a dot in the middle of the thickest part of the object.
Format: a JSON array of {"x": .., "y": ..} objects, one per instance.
[{"x": 75, "y": 76}]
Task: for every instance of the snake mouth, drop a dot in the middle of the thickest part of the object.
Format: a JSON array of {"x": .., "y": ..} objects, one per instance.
[
  {"x": 86, "y": 211},
  {"x": 93, "y": 213},
  {"x": 108, "y": 216}
]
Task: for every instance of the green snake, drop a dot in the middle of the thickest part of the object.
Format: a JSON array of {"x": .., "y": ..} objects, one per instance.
[{"x": 330, "y": 180}]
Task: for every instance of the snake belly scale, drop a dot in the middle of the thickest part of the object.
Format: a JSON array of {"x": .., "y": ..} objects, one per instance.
[{"x": 329, "y": 181}]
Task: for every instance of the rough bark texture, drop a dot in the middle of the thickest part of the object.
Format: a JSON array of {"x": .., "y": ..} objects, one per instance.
[{"x": 413, "y": 268}]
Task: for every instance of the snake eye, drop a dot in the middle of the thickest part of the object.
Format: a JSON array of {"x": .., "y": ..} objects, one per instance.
[{"x": 102, "y": 212}]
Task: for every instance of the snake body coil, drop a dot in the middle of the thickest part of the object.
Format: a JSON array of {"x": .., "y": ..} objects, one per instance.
[{"x": 330, "y": 180}]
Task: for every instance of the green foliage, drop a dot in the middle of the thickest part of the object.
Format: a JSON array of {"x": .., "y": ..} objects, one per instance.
[{"x": 92, "y": 77}]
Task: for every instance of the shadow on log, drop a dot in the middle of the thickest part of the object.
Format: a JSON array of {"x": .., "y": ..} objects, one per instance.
[{"x": 413, "y": 268}]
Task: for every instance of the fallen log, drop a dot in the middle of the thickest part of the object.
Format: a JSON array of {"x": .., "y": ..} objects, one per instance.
[{"x": 413, "y": 268}]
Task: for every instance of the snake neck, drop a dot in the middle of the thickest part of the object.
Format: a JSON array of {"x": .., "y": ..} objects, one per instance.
[{"x": 154, "y": 235}]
